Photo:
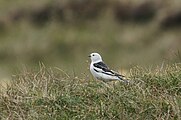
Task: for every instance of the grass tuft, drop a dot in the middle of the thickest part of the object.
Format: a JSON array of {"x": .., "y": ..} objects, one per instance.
[{"x": 52, "y": 94}]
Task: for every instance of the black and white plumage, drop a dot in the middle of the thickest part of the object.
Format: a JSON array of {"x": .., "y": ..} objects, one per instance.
[{"x": 101, "y": 71}]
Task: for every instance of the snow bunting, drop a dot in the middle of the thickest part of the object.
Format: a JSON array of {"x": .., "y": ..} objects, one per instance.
[{"x": 101, "y": 71}]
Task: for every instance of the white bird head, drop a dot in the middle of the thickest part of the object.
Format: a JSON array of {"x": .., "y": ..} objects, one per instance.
[{"x": 95, "y": 57}]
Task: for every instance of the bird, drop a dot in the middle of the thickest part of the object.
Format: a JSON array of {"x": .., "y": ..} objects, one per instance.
[{"x": 101, "y": 71}]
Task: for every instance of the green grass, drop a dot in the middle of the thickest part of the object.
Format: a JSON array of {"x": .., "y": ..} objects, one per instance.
[{"x": 52, "y": 94}]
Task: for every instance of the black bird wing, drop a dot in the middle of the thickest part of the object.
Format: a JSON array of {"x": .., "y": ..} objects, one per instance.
[{"x": 102, "y": 67}]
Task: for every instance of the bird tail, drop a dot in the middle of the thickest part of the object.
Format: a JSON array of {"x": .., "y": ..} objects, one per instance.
[{"x": 122, "y": 79}]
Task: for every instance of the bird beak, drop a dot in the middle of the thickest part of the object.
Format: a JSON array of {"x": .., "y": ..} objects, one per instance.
[{"x": 89, "y": 56}]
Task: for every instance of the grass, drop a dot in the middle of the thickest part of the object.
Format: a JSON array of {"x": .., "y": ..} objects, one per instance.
[{"x": 52, "y": 94}]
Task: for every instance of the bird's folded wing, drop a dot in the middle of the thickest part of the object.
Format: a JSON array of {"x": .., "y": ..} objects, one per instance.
[{"x": 102, "y": 67}]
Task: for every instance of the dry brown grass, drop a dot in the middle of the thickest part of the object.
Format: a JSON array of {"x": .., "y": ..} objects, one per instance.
[{"x": 52, "y": 94}]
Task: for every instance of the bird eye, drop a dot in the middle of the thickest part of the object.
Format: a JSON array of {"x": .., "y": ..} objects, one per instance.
[{"x": 93, "y": 55}]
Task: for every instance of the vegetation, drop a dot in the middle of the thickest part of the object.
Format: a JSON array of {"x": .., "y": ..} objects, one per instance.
[
  {"x": 62, "y": 33},
  {"x": 52, "y": 94}
]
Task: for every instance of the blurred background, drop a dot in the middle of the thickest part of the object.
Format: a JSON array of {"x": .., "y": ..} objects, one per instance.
[{"x": 62, "y": 33}]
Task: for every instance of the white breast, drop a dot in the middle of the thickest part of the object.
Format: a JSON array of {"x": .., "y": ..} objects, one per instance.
[{"x": 92, "y": 70}]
